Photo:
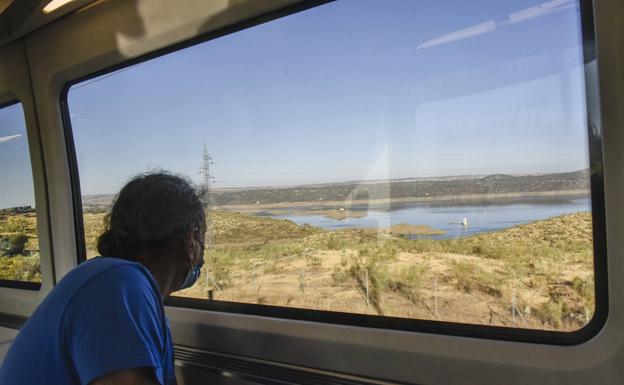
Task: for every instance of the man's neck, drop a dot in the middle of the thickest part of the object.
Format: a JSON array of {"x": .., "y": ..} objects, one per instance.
[{"x": 160, "y": 263}]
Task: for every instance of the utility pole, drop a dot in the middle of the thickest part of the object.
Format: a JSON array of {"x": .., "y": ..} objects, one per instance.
[{"x": 208, "y": 179}]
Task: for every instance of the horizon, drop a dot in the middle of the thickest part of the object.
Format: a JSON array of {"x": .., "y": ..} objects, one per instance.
[{"x": 371, "y": 181}]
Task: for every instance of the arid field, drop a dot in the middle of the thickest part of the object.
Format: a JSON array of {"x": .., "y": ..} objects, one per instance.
[
  {"x": 19, "y": 247},
  {"x": 537, "y": 275},
  {"x": 545, "y": 268}
]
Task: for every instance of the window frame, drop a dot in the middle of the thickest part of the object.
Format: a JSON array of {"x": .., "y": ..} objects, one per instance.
[
  {"x": 17, "y": 298},
  {"x": 591, "y": 329},
  {"x": 10, "y": 283}
]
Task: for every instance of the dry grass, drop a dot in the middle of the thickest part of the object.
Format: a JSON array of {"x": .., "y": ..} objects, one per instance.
[
  {"x": 16, "y": 224},
  {"x": 545, "y": 266},
  {"x": 475, "y": 278},
  {"x": 19, "y": 263},
  {"x": 21, "y": 268},
  {"x": 408, "y": 282},
  {"x": 94, "y": 225},
  {"x": 469, "y": 277},
  {"x": 235, "y": 229}
]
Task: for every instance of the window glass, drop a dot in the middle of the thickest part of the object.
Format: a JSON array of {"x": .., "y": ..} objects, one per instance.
[
  {"x": 19, "y": 247},
  {"x": 422, "y": 160}
]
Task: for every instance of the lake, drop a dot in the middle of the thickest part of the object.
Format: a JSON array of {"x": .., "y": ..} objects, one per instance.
[{"x": 448, "y": 216}]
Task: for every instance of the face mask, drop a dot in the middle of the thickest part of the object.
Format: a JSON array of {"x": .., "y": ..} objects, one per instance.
[
  {"x": 193, "y": 272},
  {"x": 192, "y": 275}
]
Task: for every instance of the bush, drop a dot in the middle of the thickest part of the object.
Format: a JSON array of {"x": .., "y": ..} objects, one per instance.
[
  {"x": 551, "y": 313},
  {"x": 368, "y": 269},
  {"x": 275, "y": 250},
  {"x": 408, "y": 282},
  {"x": 218, "y": 267},
  {"x": 340, "y": 275},
  {"x": 470, "y": 277},
  {"x": 379, "y": 252},
  {"x": 377, "y": 275},
  {"x": 313, "y": 261},
  {"x": 585, "y": 289},
  {"x": 420, "y": 245},
  {"x": 17, "y": 245},
  {"x": 4, "y": 245},
  {"x": 335, "y": 242}
]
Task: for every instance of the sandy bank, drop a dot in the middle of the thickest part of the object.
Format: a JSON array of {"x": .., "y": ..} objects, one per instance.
[
  {"x": 323, "y": 206},
  {"x": 407, "y": 229}
]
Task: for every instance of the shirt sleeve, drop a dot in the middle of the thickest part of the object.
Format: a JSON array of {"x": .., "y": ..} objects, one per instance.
[{"x": 114, "y": 323}]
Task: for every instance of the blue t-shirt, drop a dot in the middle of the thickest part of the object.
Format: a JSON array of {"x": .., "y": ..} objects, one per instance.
[{"x": 104, "y": 316}]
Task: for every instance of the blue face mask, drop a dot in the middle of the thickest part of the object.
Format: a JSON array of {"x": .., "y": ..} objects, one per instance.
[
  {"x": 194, "y": 272},
  {"x": 192, "y": 275}
]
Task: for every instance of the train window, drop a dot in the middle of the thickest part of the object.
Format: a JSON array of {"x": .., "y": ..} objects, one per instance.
[
  {"x": 384, "y": 162},
  {"x": 19, "y": 247}
]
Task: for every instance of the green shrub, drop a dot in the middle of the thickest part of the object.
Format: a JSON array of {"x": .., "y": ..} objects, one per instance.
[
  {"x": 17, "y": 245},
  {"x": 408, "y": 282},
  {"x": 313, "y": 261},
  {"x": 272, "y": 268},
  {"x": 385, "y": 251},
  {"x": 340, "y": 276},
  {"x": 218, "y": 267},
  {"x": 585, "y": 289},
  {"x": 470, "y": 277},
  {"x": 551, "y": 313}
]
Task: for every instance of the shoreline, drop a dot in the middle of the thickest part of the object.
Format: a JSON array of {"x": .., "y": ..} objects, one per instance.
[{"x": 388, "y": 202}]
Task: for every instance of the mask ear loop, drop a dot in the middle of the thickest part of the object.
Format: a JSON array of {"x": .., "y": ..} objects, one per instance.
[
  {"x": 198, "y": 239},
  {"x": 203, "y": 246},
  {"x": 193, "y": 272}
]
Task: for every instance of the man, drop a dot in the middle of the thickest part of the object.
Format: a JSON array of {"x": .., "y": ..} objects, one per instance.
[{"x": 104, "y": 322}]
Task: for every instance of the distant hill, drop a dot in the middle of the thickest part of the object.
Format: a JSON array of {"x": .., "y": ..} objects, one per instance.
[
  {"x": 402, "y": 188},
  {"x": 457, "y": 186}
]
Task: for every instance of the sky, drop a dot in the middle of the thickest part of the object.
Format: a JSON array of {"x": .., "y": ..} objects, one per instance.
[
  {"x": 350, "y": 90},
  {"x": 16, "y": 182}
]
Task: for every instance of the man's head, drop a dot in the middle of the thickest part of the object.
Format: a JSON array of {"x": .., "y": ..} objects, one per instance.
[{"x": 157, "y": 215}]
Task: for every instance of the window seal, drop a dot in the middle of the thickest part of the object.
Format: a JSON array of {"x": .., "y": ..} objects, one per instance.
[
  {"x": 10, "y": 103},
  {"x": 23, "y": 285},
  {"x": 591, "y": 329},
  {"x": 12, "y": 321}
]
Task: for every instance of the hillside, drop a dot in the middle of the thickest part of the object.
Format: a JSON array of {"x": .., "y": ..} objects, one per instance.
[
  {"x": 544, "y": 267},
  {"x": 430, "y": 188},
  {"x": 396, "y": 189}
]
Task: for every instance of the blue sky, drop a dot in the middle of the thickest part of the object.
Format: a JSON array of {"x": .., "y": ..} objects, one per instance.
[
  {"x": 16, "y": 183},
  {"x": 350, "y": 90}
]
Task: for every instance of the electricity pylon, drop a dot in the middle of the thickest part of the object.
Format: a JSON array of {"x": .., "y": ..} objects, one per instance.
[{"x": 208, "y": 180}]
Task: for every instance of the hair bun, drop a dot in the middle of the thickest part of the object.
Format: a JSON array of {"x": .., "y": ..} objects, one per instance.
[
  {"x": 152, "y": 210},
  {"x": 106, "y": 244}
]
